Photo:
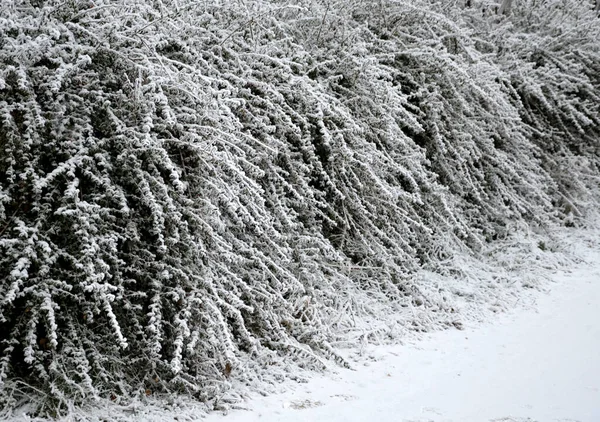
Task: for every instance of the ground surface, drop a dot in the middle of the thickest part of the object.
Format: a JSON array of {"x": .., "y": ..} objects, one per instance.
[{"x": 540, "y": 364}]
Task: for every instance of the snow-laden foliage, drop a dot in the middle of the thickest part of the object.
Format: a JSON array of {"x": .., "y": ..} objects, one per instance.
[
  {"x": 549, "y": 52},
  {"x": 192, "y": 192}
]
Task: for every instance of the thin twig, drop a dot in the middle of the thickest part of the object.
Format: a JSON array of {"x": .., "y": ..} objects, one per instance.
[
  {"x": 11, "y": 218},
  {"x": 322, "y": 23}
]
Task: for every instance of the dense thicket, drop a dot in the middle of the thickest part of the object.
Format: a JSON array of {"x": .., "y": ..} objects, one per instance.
[{"x": 192, "y": 190}]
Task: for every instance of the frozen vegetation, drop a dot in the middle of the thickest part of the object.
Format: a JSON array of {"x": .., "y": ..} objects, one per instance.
[
  {"x": 530, "y": 365},
  {"x": 203, "y": 198}
]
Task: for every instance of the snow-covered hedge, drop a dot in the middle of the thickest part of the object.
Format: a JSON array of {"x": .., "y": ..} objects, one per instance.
[{"x": 187, "y": 187}]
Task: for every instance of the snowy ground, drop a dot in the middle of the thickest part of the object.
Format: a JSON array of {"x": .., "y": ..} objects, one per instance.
[{"x": 540, "y": 364}]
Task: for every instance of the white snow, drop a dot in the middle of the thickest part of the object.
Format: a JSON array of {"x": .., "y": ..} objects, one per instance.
[{"x": 540, "y": 364}]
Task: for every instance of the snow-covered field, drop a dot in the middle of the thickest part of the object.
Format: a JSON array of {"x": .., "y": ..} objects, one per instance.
[{"x": 533, "y": 364}]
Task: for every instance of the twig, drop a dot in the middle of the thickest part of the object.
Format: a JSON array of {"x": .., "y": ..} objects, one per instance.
[
  {"x": 11, "y": 218},
  {"x": 322, "y": 23}
]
